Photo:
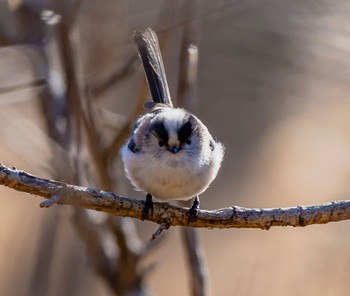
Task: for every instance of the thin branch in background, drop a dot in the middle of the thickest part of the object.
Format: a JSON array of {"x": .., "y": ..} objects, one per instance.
[
  {"x": 82, "y": 113},
  {"x": 120, "y": 138},
  {"x": 95, "y": 141},
  {"x": 239, "y": 9},
  {"x": 132, "y": 277},
  {"x": 92, "y": 236},
  {"x": 119, "y": 75},
  {"x": 44, "y": 256},
  {"x": 85, "y": 119},
  {"x": 30, "y": 30},
  {"x": 187, "y": 78},
  {"x": 39, "y": 82},
  {"x": 196, "y": 262}
]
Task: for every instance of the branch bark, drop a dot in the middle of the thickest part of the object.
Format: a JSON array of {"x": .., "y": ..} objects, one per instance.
[{"x": 230, "y": 217}]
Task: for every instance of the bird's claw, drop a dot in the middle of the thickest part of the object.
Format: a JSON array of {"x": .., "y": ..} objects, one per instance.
[{"x": 148, "y": 207}]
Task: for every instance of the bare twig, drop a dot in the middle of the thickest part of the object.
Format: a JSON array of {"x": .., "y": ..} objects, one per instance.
[
  {"x": 230, "y": 217},
  {"x": 51, "y": 201},
  {"x": 186, "y": 92},
  {"x": 196, "y": 262},
  {"x": 122, "y": 273},
  {"x": 129, "y": 276},
  {"x": 25, "y": 85},
  {"x": 163, "y": 226},
  {"x": 119, "y": 74},
  {"x": 92, "y": 236},
  {"x": 45, "y": 254}
]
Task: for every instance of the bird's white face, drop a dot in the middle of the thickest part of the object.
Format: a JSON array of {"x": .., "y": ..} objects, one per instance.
[
  {"x": 171, "y": 155},
  {"x": 171, "y": 135}
]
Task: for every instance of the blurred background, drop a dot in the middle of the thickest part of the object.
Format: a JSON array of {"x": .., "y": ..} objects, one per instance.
[{"x": 272, "y": 83}]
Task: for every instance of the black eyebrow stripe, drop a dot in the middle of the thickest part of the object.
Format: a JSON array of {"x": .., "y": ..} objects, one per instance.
[
  {"x": 161, "y": 132},
  {"x": 185, "y": 131}
]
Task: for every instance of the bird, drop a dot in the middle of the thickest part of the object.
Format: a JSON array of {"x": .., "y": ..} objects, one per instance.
[{"x": 170, "y": 154}]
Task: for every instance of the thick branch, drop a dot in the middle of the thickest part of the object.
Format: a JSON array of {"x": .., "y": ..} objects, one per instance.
[{"x": 231, "y": 217}]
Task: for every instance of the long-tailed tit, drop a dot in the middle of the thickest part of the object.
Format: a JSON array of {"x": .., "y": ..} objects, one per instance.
[{"x": 170, "y": 155}]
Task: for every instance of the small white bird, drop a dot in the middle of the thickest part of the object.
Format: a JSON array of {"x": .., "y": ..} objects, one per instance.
[{"x": 170, "y": 155}]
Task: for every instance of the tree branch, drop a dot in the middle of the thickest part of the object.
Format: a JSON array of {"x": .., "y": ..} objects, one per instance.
[{"x": 230, "y": 217}]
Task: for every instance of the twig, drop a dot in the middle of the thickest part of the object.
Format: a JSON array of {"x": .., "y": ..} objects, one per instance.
[
  {"x": 163, "y": 226},
  {"x": 43, "y": 264},
  {"x": 122, "y": 273},
  {"x": 25, "y": 85},
  {"x": 117, "y": 76},
  {"x": 187, "y": 77},
  {"x": 92, "y": 236},
  {"x": 130, "y": 255},
  {"x": 230, "y": 217},
  {"x": 196, "y": 262},
  {"x": 51, "y": 201}
]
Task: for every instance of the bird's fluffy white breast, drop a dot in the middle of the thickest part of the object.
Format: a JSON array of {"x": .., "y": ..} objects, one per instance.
[{"x": 174, "y": 178}]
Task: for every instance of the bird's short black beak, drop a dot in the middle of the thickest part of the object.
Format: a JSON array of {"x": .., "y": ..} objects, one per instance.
[{"x": 174, "y": 149}]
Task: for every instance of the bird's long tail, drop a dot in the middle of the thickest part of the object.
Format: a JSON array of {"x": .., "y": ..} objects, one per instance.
[{"x": 148, "y": 48}]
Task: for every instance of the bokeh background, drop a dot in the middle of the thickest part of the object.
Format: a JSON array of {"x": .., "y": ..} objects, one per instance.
[{"x": 273, "y": 85}]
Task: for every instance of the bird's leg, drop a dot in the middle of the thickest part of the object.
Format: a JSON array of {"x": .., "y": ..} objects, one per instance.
[
  {"x": 148, "y": 206},
  {"x": 192, "y": 213}
]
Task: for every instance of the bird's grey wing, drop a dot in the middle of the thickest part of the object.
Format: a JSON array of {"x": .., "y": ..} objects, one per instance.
[{"x": 148, "y": 48}]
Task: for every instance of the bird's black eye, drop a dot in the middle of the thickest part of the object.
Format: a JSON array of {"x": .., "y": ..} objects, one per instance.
[
  {"x": 161, "y": 143},
  {"x": 188, "y": 142}
]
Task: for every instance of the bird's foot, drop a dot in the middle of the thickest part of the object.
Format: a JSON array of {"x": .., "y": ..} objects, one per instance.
[
  {"x": 148, "y": 207},
  {"x": 193, "y": 211}
]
